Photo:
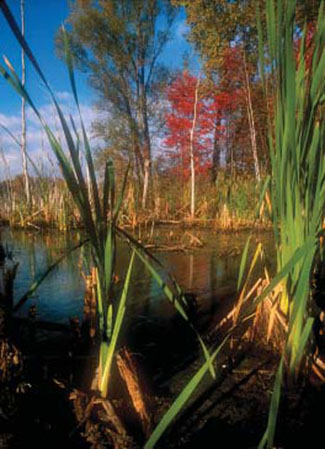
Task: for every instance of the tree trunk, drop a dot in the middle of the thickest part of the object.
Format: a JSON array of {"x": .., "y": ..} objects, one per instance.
[
  {"x": 145, "y": 182},
  {"x": 145, "y": 138},
  {"x": 192, "y": 162},
  {"x": 251, "y": 122},
  {"x": 23, "y": 111},
  {"x": 216, "y": 153}
]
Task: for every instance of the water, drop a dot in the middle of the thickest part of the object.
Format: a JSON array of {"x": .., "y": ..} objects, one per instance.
[
  {"x": 60, "y": 295},
  {"x": 151, "y": 326},
  {"x": 209, "y": 272}
]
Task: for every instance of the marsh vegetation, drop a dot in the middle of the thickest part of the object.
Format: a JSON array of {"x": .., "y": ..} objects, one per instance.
[{"x": 149, "y": 358}]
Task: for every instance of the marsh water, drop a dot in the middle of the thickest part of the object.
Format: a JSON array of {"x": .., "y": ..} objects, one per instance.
[{"x": 151, "y": 327}]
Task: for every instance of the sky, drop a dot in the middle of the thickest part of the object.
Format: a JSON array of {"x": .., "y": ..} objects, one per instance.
[{"x": 42, "y": 20}]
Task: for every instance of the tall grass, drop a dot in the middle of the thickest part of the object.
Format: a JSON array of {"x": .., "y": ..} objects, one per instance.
[{"x": 230, "y": 204}]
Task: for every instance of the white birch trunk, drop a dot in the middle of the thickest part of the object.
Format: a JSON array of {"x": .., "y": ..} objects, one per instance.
[
  {"x": 251, "y": 122},
  {"x": 192, "y": 161}
]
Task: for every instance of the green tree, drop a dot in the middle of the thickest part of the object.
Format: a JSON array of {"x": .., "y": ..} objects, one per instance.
[
  {"x": 118, "y": 43},
  {"x": 215, "y": 24}
]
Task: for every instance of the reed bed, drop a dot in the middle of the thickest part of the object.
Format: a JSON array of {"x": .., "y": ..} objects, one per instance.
[
  {"x": 51, "y": 205},
  {"x": 227, "y": 205}
]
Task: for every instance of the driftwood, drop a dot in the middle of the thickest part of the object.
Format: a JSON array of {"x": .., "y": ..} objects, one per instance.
[
  {"x": 194, "y": 240},
  {"x": 166, "y": 248}
]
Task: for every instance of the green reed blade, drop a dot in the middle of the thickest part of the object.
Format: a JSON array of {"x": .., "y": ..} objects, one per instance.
[
  {"x": 304, "y": 337},
  {"x": 243, "y": 263},
  {"x": 182, "y": 399},
  {"x": 262, "y": 195},
  {"x": 268, "y": 437},
  {"x": 108, "y": 348},
  {"x": 77, "y": 144},
  {"x": 109, "y": 175},
  {"x": 148, "y": 254},
  {"x": 69, "y": 63},
  {"x": 19, "y": 88},
  {"x": 271, "y": 29},
  {"x": 17, "y": 32},
  {"x": 109, "y": 321},
  {"x": 100, "y": 304},
  {"x": 175, "y": 301},
  {"x": 162, "y": 284},
  {"x": 120, "y": 198},
  {"x": 109, "y": 257}
]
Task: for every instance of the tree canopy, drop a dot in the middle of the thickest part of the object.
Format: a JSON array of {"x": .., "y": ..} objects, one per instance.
[
  {"x": 214, "y": 25},
  {"x": 118, "y": 43}
]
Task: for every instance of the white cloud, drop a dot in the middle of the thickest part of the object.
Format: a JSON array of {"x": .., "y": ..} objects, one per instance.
[
  {"x": 64, "y": 96},
  {"x": 38, "y": 147},
  {"x": 182, "y": 29},
  {"x": 9, "y": 121}
]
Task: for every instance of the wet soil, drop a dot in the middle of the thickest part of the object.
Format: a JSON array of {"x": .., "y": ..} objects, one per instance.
[
  {"x": 230, "y": 412},
  {"x": 34, "y": 409}
]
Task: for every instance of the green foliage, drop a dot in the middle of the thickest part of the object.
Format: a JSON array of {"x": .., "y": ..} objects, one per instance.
[
  {"x": 117, "y": 44},
  {"x": 214, "y": 25}
]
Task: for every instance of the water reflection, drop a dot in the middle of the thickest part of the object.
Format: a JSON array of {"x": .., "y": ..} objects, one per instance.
[
  {"x": 207, "y": 272},
  {"x": 151, "y": 326},
  {"x": 61, "y": 294}
]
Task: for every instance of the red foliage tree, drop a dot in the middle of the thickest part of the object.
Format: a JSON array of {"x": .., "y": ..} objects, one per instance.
[{"x": 179, "y": 122}]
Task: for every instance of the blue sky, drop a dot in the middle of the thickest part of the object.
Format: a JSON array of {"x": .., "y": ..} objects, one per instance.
[{"x": 43, "y": 18}]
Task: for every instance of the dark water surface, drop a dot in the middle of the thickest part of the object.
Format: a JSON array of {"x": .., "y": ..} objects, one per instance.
[
  {"x": 151, "y": 326},
  {"x": 210, "y": 272}
]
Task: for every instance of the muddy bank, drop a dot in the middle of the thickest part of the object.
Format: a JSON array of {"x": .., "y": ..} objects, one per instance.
[{"x": 232, "y": 411}]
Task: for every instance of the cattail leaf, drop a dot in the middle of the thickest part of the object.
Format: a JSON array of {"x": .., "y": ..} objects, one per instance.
[
  {"x": 243, "y": 263},
  {"x": 182, "y": 399},
  {"x": 109, "y": 348},
  {"x": 268, "y": 437}
]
